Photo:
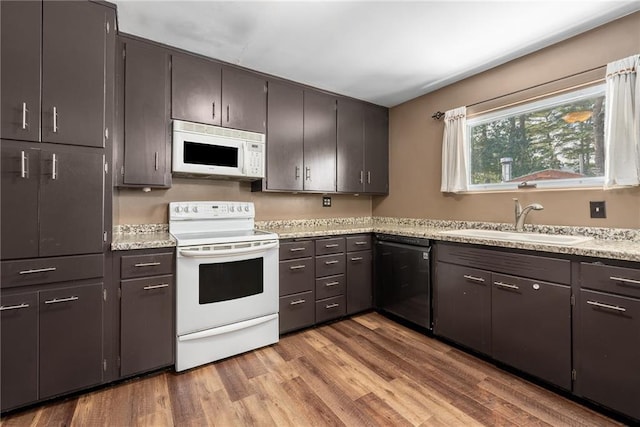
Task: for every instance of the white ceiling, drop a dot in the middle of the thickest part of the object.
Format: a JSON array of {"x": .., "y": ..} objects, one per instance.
[{"x": 385, "y": 52}]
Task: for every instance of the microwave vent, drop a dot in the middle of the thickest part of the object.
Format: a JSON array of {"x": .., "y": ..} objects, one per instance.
[{"x": 201, "y": 129}]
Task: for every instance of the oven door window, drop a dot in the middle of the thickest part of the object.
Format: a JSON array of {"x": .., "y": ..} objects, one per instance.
[
  {"x": 210, "y": 154},
  {"x": 230, "y": 280}
]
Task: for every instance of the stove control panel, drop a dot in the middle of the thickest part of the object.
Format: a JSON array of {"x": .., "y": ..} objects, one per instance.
[{"x": 210, "y": 210}]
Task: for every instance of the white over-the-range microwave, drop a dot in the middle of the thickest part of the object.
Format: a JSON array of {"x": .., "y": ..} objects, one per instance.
[{"x": 215, "y": 151}]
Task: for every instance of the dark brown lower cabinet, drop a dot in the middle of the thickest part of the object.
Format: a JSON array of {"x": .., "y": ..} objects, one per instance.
[
  {"x": 531, "y": 327},
  {"x": 19, "y": 350},
  {"x": 146, "y": 325},
  {"x": 70, "y": 329},
  {"x": 359, "y": 281},
  {"x": 296, "y": 311},
  {"x": 462, "y": 306},
  {"x": 607, "y": 348}
]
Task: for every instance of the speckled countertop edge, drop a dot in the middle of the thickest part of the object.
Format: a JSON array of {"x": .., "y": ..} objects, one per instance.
[{"x": 141, "y": 236}]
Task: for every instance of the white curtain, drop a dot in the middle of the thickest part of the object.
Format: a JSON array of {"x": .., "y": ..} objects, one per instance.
[
  {"x": 454, "y": 151},
  {"x": 622, "y": 123}
]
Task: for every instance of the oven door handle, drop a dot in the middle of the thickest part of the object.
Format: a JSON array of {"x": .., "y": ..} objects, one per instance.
[
  {"x": 227, "y": 328},
  {"x": 225, "y": 252}
]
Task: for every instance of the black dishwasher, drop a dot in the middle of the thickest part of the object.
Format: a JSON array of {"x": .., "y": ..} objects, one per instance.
[{"x": 402, "y": 278}]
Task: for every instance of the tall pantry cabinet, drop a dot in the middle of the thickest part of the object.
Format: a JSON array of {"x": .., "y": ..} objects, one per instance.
[{"x": 57, "y": 62}]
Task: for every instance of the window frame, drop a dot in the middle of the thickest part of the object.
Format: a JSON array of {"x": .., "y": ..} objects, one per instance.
[{"x": 523, "y": 108}]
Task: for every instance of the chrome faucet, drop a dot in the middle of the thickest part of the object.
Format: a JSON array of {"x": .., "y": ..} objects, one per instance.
[{"x": 521, "y": 214}]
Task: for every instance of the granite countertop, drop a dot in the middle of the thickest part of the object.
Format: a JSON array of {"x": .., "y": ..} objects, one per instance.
[{"x": 621, "y": 244}]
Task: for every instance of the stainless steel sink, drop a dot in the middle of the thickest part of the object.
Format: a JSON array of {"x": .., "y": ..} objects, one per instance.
[{"x": 510, "y": 236}]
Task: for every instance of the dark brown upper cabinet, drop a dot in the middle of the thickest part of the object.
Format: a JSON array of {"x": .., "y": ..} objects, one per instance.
[
  {"x": 144, "y": 146},
  {"x": 196, "y": 90},
  {"x": 285, "y": 137},
  {"x": 21, "y": 36},
  {"x": 244, "y": 100},
  {"x": 319, "y": 142},
  {"x": 350, "y": 159},
  {"x": 376, "y": 149},
  {"x": 56, "y": 50}
]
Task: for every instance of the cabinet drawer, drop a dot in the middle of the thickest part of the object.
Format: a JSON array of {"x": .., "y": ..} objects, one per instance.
[
  {"x": 296, "y": 276},
  {"x": 334, "y": 245},
  {"x": 330, "y": 286},
  {"x": 330, "y": 308},
  {"x": 330, "y": 265},
  {"x": 293, "y": 250},
  {"x": 146, "y": 265},
  {"x": 358, "y": 243},
  {"x": 296, "y": 311},
  {"x": 51, "y": 270},
  {"x": 619, "y": 280}
]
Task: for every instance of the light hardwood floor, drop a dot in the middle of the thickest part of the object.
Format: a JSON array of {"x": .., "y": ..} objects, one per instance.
[{"x": 364, "y": 371}]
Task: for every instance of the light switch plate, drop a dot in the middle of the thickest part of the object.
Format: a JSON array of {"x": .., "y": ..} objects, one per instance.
[
  {"x": 326, "y": 201},
  {"x": 597, "y": 210}
]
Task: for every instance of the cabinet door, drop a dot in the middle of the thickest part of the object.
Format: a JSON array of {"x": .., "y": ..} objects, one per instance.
[
  {"x": 146, "y": 118},
  {"x": 21, "y": 36},
  {"x": 71, "y": 200},
  {"x": 462, "y": 304},
  {"x": 19, "y": 200},
  {"x": 244, "y": 100},
  {"x": 359, "y": 281},
  {"x": 70, "y": 339},
  {"x": 284, "y": 137},
  {"x": 319, "y": 142},
  {"x": 350, "y": 160},
  {"x": 376, "y": 149},
  {"x": 196, "y": 90},
  {"x": 531, "y": 327},
  {"x": 146, "y": 326},
  {"x": 19, "y": 349},
  {"x": 74, "y": 38},
  {"x": 296, "y": 311},
  {"x": 607, "y": 350}
]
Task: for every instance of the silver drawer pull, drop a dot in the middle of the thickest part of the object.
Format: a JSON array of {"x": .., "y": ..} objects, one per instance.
[
  {"x": 331, "y": 245},
  {"x": 38, "y": 270},
  {"x": 357, "y": 258},
  {"x": 54, "y": 166},
  {"x": 359, "y": 243},
  {"x": 331, "y": 284},
  {"x": 296, "y": 249},
  {"x": 147, "y": 264},
  {"x": 14, "y": 307},
  {"x": 607, "y": 306},
  {"x": 55, "y": 120},
  {"x": 298, "y": 301},
  {"x": 56, "y": 300},
  {"x": 150, "y": 287},
  {"x": 25, "y": 125},
  {"x": 334, "y": 305},
  {"x": 24, "y": 165},
  {"x": 623, "y": 280},
  {"x": 474, "y": 278},
  {"x": 335, "y": 261},
  {"x": 297, "y": 267},
  {"x": 506, "y": 285}
]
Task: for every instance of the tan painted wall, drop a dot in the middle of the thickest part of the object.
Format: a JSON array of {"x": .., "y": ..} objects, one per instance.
[
  {"x": 415, "y": 140},
  {"x": 136, "y": 207}
]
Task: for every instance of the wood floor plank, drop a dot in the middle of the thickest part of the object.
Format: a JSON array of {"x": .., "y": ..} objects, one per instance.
[
  {"x": 57, "y": 414},
  {"x": 380, "y": 412},
  {"x": 185, "y": 403},
  {"x": 315, "y": 409},
  {"x": 278, "y": 402},
  {"x": 232, "y": 376}
]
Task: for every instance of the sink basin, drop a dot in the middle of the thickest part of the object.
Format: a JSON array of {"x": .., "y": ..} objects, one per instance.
[{"x": 512, "y": 236}]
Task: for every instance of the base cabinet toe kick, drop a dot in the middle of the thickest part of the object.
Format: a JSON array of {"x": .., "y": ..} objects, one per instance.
[{"x": 569, "y": 322}]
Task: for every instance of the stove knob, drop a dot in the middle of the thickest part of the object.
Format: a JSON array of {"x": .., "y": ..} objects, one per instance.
[
  {"x": 231, "y": 209},
  {"x": 246, "y": 208},
  {"x": 177, "y": 209},
  {"x": 194, "y": 209}
]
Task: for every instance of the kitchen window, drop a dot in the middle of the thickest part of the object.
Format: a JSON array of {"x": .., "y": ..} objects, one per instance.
[{"x": 557, "y": 142}]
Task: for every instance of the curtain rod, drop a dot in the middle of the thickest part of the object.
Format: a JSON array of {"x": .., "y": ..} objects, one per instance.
[{"x": 439, "y": 114}]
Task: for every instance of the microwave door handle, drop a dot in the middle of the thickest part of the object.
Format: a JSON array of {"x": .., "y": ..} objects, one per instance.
[{"x": 225, "y": 252}]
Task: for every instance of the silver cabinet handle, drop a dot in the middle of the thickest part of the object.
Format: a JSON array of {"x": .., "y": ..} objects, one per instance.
[
  {"x": 297, "y": 267},
  {"x": 14, "y": 307},
  {"x": 335, "y": 261},
  {"x": 506, "y": 285},
  {"x": 359, "y": 243},
  {"x": 227, "y": 113},
  {"x": 55, "y": 120},
  {"x": 54, "y": 166},
  {"x": 307, "y": 173},
  {"x": 329, "y": 284},
  {"x": 147, "y": 264},
  {"x": 297, "y": 175},
  {"x": 331, "y": 245},
  {"x": 38, "y": 270},
  {"x": 296, "y": 302},
  {"x": 24, "y": 165},
  {"x": 361, "y": 177},
  {"x": 296, "y": 249},
  {"x": 56, "y": 300},
  {"x": 368, "y": 177},
  {"x": 473, "y": 278},
  {"x": 155, "y": 160},
  {"x": 334, "y": 305},
  {"x": 151, "y": 287},
  {"x": 357, "y": 258},
  {"x": 623, "y": 280},
  {"x": 213, "y": 110},
  {"x": 607, "y": 306},
  {"x": 25, "y": 125}
]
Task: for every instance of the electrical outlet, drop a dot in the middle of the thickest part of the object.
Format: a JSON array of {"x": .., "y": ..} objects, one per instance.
[
  {"x": 326, "y": 201},
  {"x": 597, "y": 210}
]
